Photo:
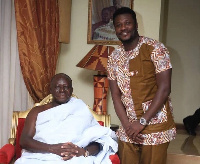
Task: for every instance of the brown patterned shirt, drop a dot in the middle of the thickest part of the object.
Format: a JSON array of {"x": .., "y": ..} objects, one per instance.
[{"x": 118, "y": 69}]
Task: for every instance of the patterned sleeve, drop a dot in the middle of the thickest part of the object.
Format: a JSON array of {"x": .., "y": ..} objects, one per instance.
[
  {"x": 111, "y": 67},
  {"x": 161, "y": 59}
]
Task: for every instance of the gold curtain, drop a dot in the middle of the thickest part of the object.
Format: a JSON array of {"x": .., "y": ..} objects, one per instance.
[{"x": 37, "y": 33}]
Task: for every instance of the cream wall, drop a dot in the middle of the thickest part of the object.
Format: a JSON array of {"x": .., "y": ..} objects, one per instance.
[
  {"x": 182, "y": 38},
  {"x": 148, "y": 13}
]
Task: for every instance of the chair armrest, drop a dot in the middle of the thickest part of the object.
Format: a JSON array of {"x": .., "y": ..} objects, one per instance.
[
  {"x": 7, "y": 153},
  {"x": 114, "y": 159},
  {"x": 11, "y": 141}
]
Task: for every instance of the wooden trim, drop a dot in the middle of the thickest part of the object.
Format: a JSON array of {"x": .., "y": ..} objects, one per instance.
[{"x": 64, "y": 20}]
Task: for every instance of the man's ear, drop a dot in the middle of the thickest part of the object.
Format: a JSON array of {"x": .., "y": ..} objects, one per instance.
[{"x": 50, "y": 90}]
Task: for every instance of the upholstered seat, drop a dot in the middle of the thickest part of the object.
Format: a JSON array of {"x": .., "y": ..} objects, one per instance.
[{"x": 12, "y": 151}]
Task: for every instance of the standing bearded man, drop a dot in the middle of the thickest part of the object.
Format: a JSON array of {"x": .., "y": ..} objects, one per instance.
[{"x": 139, "y": 73}]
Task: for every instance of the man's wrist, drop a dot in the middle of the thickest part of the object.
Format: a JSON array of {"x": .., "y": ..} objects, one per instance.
[
  {"x": 126, "y": 125},
  {"x": 143, "y": 121},
  {"x": 87, "y": 153},
  {"x": 50, "y": 150}
]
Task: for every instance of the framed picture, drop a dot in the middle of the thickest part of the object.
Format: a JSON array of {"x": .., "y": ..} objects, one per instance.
[{"x": 100, "y": 24}]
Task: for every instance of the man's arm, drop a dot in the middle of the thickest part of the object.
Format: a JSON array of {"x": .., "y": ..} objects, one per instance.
[
  {"x": 27, "y": 142},
  {"x": 121, "y": 111},
  {"x": 118, "y": 105},
  {"x": 94, "y": 148},
  {"x": 163, "y": 80},
  {"x": 65, "y": 150}
]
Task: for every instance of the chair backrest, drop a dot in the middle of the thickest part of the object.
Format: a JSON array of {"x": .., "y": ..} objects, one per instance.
[{"x": 19, "y": 117}]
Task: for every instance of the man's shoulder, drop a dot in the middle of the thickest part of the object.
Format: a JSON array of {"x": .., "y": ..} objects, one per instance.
[
  {"x": 41, "y": 108},
  {"x": 77, "y": 102},
  {"x": 152, "y": 42},
  {"x": 149, "y": 40},
  {"x": 117, "y": 51}
]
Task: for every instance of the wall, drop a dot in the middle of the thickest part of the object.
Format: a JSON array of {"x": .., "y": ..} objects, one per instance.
[
  {"x": 182, "y": 37},
  {"x": 148, "y": 18}
]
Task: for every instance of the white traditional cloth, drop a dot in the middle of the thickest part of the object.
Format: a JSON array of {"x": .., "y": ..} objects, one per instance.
[
  {"x": 105, "y": 32},
  {"x": 70, "y": 122}
]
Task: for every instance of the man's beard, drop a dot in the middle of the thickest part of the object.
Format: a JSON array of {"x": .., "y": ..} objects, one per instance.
[{"x": 132, "y": 38}]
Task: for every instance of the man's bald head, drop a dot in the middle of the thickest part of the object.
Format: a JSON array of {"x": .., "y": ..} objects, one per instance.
[
  {"x": 61, "y": 75},
  {"x": 61, "y": 88}
]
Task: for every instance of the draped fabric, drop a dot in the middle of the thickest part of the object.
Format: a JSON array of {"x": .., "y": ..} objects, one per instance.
[
  {"x": 83, "y": 130},
  {"x": 37, "y": 33},
  {"x": 13, "y": 92}
]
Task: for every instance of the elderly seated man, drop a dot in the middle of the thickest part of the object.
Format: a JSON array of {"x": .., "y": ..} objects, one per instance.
[{"x": 64, "y": 131}]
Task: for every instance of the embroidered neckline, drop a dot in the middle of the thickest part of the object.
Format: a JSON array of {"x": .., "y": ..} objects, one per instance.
[{"x": 134, "y": 52}]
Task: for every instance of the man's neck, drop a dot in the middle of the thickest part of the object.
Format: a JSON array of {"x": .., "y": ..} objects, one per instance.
[{"x": 131, "y": 45}]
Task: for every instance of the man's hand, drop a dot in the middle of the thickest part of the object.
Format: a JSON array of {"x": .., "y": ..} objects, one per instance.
[
  {"x": 71, "y": 150},
  {"x": 66, "y": 150},
  {"x": 133, "y": 131}
]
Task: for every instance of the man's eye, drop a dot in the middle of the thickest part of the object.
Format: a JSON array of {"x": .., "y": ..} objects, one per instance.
[
  {"x": 118, "y": 25},
  {"x": 57, "y": 88},
  {"x": 66, "y": 88}
]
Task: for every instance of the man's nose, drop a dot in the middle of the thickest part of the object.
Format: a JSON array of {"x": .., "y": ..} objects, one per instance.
[
  {"x": 123, "y": 26},
  {"x": 61, "y": 89}
]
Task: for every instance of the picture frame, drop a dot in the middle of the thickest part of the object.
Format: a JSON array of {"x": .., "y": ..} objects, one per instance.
[{"x": 100, "y": 25}]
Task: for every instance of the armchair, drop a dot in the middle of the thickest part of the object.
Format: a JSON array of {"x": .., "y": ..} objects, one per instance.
[{"x": 12, "y": 151}]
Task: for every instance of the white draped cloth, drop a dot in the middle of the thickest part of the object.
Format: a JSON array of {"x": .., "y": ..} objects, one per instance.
[{"x": 71, "y": 122}]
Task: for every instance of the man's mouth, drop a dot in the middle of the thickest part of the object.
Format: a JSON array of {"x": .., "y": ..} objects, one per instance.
[
  {"x": 62, "y": 95},
  {"x": 124, "y": 34}
]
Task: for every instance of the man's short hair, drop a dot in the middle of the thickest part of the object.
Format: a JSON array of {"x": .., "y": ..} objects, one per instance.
[
  {"x": 124, "y": 10},
  {"x": 61, "y": 75}
]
